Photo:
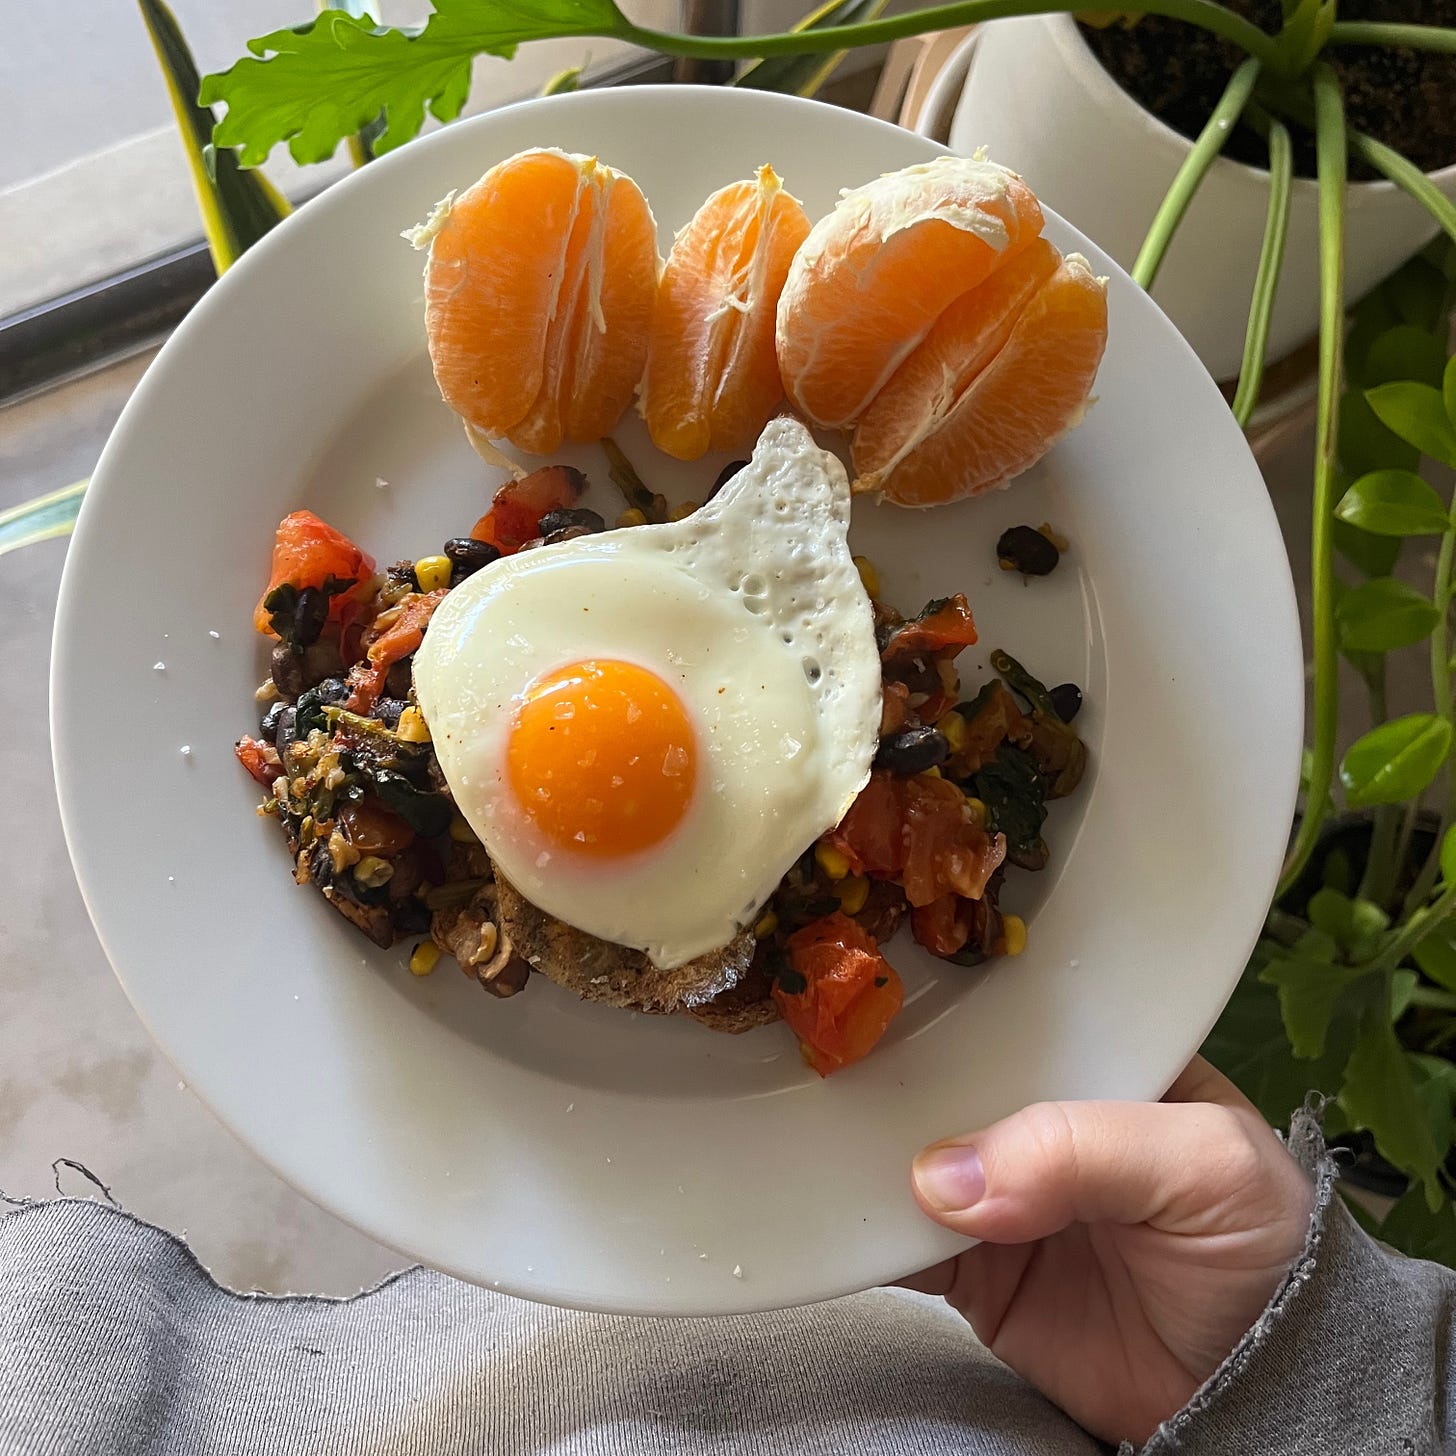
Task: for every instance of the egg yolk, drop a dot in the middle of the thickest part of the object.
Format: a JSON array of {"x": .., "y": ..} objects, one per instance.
[{"x": 602, "y": 758}]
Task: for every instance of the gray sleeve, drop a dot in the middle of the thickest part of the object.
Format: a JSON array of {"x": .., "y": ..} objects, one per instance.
[{"x": 1354, "y": 1353}]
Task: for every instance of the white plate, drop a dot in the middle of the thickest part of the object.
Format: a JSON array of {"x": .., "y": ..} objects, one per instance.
[{"x": 573, "y": 1153}]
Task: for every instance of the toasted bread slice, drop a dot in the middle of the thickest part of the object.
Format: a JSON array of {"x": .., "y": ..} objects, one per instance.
[
  {"x": 741, "y": 1007},
  {"x": 601, "y": 971}
]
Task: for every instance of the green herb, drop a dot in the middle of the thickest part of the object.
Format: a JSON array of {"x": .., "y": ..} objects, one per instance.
[
  {"x": 425, "y": 811},
  {"x": 1014, "y": 793}
]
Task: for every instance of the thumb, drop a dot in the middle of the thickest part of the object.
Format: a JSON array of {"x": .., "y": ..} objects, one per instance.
[{"x": 1058, "y": 1163}]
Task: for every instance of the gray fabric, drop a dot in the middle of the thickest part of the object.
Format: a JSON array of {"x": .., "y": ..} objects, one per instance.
[{"x": 114, "y": 1340}]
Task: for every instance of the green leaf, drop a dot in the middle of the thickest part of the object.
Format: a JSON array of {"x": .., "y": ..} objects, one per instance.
[
  {"x": 1353, "y": 926},
  {"x": 1395, "y": 761},
  {"x": 237, "y": 207},
  {"x": 1436, "y": 956},
  {"x": 41, "y": 519},
  {"x": 1393, "y": 503},
  {"x": 1309, "y": 991},
  {"x": 1372, "y": 555},
  {"x": 1448, "y": 856},
  {"x": 1381, "y": 1094},
  {"x": 1383, "y": 614},
  {"x": 330, "y": 76},
  {"x": 1403, "y": 985},
  {"x": 1448, "y": 389},
  {"x": 1404, "y": 352},
  {"x": 804, "y": 75},
  {"x": 1414, "y": 1229},
  {"x": 1250, "y": 1046},
  {"x": 1365, "y": 444},
  {"x": 1417, "y": 293},
  {"x": 1417, "y": 413}
]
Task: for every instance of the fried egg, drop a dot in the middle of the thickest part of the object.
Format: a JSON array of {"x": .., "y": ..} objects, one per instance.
[{"x": 647, "y": 727}]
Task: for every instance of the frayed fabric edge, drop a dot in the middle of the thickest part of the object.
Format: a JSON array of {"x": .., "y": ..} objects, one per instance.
[
  {"x": 1306, "y": 1145},
  {"x": 21, "y": 1206}
]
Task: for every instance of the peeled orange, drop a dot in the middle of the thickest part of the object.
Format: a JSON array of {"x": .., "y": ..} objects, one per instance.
[
  {"x": 1006, "y": 370},
  {"x": 874, "y": 275},
  {"x": 712, "y": 377},
  {"x": 539, "y": 292}
]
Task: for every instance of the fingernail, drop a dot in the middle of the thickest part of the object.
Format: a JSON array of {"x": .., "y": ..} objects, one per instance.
[{"x": 950, "y": 1178}]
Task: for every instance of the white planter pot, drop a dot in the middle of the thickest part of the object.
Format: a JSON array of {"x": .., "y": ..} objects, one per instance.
[{"x": 1041, "y": 103}]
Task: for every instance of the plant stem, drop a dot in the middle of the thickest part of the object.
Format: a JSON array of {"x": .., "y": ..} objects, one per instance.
[
  {"x": 1206, "y": 14},
  {"x": 1441, "y": 693},
  {"x": 1381, "y": 33},
  {"x": 1415, "y": 930},
  {"x": 1200, "y": 158},
  {"x": 1266, "y": 278},
  {"x": 1406, "y": 175},
  {"x": 1329, "y": 114}
]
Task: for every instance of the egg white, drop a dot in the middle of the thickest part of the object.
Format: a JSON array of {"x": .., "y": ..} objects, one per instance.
[{"x": 752, "y": 610}]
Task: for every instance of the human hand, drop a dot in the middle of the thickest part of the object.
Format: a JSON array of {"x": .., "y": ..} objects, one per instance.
[{"x": 1128, "y": 1246}]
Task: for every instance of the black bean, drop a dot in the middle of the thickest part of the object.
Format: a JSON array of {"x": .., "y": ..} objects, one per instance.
[
  {"x": 287, "y": 669},
  {"x": 912, "y": 750},
  {"x": 1067, "y": 700},
  {"x": 467, "y": 556},
  {"x": 410, "y": 916},
  {"x": 309, "y": 615},
  {"x": 577, "y": 518},
  {"x": 387, "y": 710},
  {"x": 285, "y": 730},
  {"x": 333, "y": 690},
  {"x": 402, "y": 573},
  {"x": 268, "y": 723},
  {"x": 1025, "y": 549},
  {"x": 725, "y": 475},
  {"x": 401, "y": 674}
]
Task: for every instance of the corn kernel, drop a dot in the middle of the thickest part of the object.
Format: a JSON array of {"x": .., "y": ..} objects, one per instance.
[
  {"x": 954, "y": 727},
  {"x": 631, "y": 517},
  {"x": 423, "y": 960},
  {"x": 682, "y": 512},
  {"x": 412, "y": 728},
  {"x": 852, "y": 892},
  {"x": 433, "y": 572},
  {"x": 933, "y": 772},
  {"x": 1013, "y": 933},
  {"x": 461, "y": 832},
  {"x": 834, "y": 862},
  {"x": 977, "y": 808},
  {"x": 768, "y": 922},
  {"x": 868, "y": 575}
]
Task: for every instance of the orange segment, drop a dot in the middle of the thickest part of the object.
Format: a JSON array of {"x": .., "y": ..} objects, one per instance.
[
  {"x": 873, "y": 276},
  {"x": 538, "y": 298},
  {"x": 712, "y": 376},
  {"x": 1008, "y": 415},
  {"x": 965, "y": 338}
]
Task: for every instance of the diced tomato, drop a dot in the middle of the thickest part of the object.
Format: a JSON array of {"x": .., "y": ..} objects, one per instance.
[
  {"x": 943, "y": 926},
  {"x": 517, "y": 507},
  {"x": 402, "y": 637},
  {"x": 894, "y": 707},
  {"x": 850, "y": 993},
  {"x": 950, "y": 923},
  {"x": 997, "y": 719},
  {"x": 307, "y": 552},
  {"x": 260, "y": 760},
  {"x": 940, "y": 631},
  {"x": 920, "y": 832},
  {"x": 373, "y": 829}
]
